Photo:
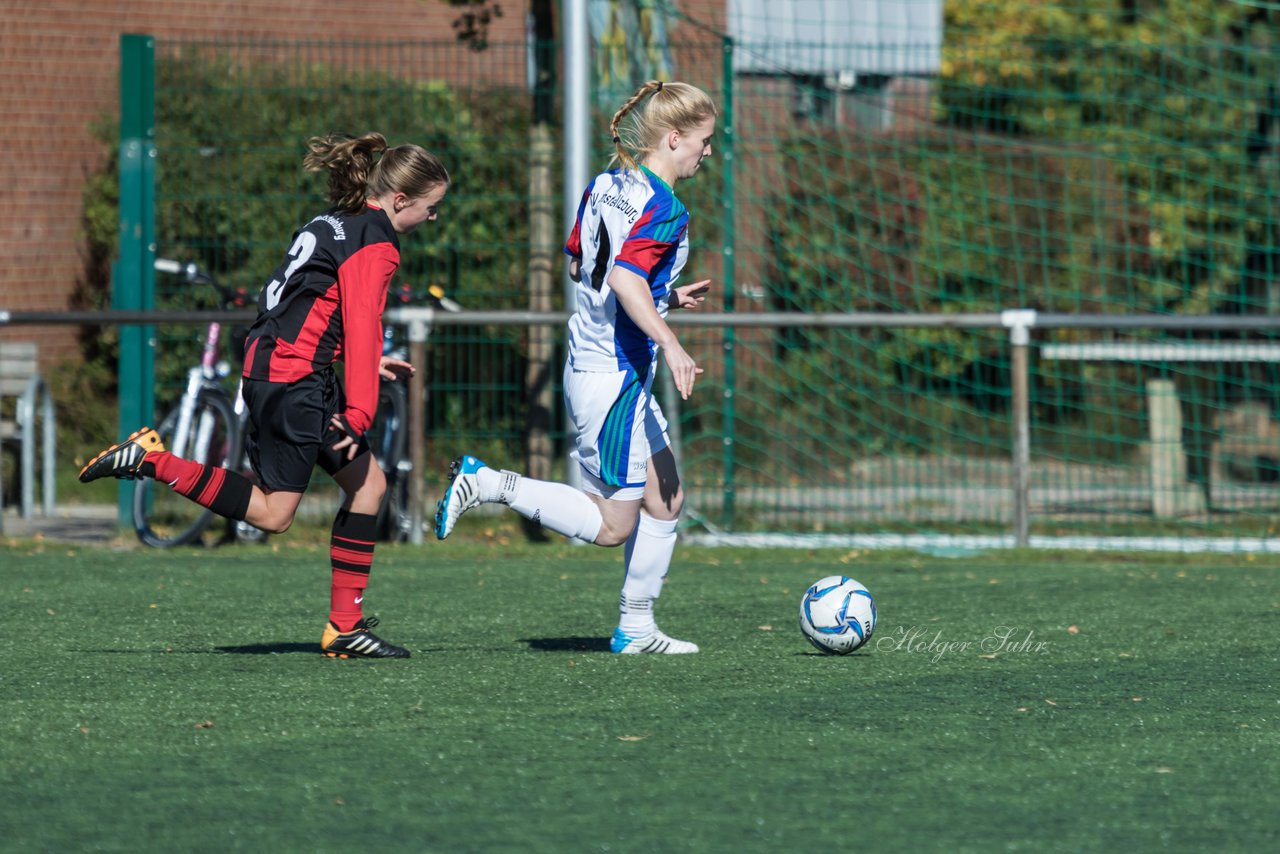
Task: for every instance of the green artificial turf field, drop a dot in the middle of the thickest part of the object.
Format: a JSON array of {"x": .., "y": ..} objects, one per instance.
[{"x": 173, "y": 701}]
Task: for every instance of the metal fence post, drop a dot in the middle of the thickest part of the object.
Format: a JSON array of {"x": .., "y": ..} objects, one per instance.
[
  {"x": 577, "y": 158},
  {"x": 133, "y": 285},
  {"x": 727, "y": 274},
  {"x": 419, "y": 331},
  {"x": 1019, "y": 323}
]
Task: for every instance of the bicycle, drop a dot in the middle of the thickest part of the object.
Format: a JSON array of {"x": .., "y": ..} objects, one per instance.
[
  {"x": 389, "y": 435},
  {"x": 206, "y": 426}
]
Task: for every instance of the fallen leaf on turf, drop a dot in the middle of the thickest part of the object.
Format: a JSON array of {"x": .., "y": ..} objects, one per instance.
[
  {"x": 49, "y": 611},
  {"x": 204, "y": 725},
  {"x": 1164, "y": 770},
  {"x": 339, "y": 802},
  {"x": 1023, "y": 709},
  {"x": 632, "y": 737},
  {"x": 1051, "y": 702},
  {"x": 1137, "y": 699},
  {"x": 990, "y": 657},
  {"x": 1073, "y": 630},
  {"x": 765, "y": 628},
  {"x": 85, "y": 730}
]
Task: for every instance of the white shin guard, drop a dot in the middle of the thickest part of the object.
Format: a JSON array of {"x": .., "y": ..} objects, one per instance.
[
  {"x": 556, "y": 506},
  {"x": 648, "y": 557}
]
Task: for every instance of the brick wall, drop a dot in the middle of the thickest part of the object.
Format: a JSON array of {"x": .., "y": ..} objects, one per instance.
[{"x": 59, "y": 72}]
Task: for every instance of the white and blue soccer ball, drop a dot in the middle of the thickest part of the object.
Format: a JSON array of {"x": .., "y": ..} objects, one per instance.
[{"x": 837, "y": 614}]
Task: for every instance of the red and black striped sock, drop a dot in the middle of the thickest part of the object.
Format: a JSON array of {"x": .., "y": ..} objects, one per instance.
[
  {"x": 223, "y": 491},
  {"x": 351, "y": 556}
]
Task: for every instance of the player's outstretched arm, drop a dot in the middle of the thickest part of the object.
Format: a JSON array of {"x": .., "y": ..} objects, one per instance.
[
  {"x": 634, "y": 297},
  {"x": 393, "y": 369},
  {"x": 689, "y": 296}
]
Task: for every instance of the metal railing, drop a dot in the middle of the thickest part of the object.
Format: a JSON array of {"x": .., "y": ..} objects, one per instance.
[{"x": 1019, "y": 324}]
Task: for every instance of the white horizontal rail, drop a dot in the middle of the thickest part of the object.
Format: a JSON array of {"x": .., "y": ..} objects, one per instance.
[{"x": 1163, "y": 351}]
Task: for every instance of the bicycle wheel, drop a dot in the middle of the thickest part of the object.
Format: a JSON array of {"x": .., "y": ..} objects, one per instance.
[
  {"x": 161, "y": 517},
  {"x": 393, "y": 517},
  {"x": 389, "y": 440},
  {"x": 239, "y": 531}
]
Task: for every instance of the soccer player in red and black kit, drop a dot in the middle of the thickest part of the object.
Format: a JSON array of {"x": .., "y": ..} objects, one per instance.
[{"x": 324, "y": 303}]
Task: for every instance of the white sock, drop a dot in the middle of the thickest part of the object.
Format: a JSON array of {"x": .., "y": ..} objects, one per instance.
[
  {"x": 492, "y": 484},
  {"x": 648, "y": 556},
  {"x": 555, "y": 506}
]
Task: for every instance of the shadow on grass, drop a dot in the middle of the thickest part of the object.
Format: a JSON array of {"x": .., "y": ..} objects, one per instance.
[
  {"x": 270, "y": 648},
  {"x": 568, "y": 644},
  {"x": 251, "y": 649}
]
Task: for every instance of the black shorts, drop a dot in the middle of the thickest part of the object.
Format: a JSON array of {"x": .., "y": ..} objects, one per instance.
[{"x": 290, "y": 431}]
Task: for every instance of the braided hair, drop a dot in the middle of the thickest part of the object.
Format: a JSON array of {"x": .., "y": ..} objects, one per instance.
[{"x": 637, "y": 130}]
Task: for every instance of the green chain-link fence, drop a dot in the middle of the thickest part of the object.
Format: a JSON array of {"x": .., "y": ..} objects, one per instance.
[{"x": 1116, "y": 158}]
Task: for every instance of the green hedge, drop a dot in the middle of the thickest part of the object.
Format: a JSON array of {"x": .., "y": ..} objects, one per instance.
[{"x": 231, "y": 191}]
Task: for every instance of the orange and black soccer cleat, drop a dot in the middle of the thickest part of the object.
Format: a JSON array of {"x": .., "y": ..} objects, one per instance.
[
  {"x": 123, "y": 459},
  {"x": 359, "y": 642}
]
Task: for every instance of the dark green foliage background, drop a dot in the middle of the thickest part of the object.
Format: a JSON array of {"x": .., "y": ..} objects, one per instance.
[
  {"x": 174, "y": 701},
  {"x": 231, "y": 192},
  {"x": 1114, "y": 157}
]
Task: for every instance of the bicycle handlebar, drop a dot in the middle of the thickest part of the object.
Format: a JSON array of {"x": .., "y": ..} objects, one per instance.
[
  {"x": 238, "y": 298},
  {"x": 432, "y": 296},
  {"x": 194, "y": 274}
]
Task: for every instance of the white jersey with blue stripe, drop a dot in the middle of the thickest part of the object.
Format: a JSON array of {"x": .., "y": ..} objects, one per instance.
[{"x": 632, "y": 219}]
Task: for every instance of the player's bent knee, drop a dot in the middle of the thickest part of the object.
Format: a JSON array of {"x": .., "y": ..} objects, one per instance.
[
  {"x": 613, "y": 537},
  {"x": 271, "y": 523},
  {"x": 277, "y": 526},
  {"x": 666, "y": 509}
]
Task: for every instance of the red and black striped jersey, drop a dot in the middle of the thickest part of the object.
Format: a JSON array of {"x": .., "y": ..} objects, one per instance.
[{"x": 324, "y": 303}]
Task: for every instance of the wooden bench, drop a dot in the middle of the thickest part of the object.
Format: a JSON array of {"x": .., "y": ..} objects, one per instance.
[
  {"x": 25, "y": 404},
  {"x": 1171, "y": 493}
]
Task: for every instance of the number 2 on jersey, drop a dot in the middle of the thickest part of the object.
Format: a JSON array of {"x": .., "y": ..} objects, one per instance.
[{"x": 300, "y": 252}]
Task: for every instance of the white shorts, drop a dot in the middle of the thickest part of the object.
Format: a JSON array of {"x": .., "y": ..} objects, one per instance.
[{"x": 619, "y": 426}]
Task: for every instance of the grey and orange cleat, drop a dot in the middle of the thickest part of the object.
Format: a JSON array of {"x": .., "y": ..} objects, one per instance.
[
  {"x": 123, "y": 459},
  {"x": 360, "y": 642}
]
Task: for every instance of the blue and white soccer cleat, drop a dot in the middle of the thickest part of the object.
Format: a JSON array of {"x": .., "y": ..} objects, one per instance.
[
  {"x": 659, "y": 643},
  {"x": 462, "y": 493}
]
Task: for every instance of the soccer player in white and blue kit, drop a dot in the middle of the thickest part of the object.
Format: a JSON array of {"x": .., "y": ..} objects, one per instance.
[{"x": 626, "y": 252}]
